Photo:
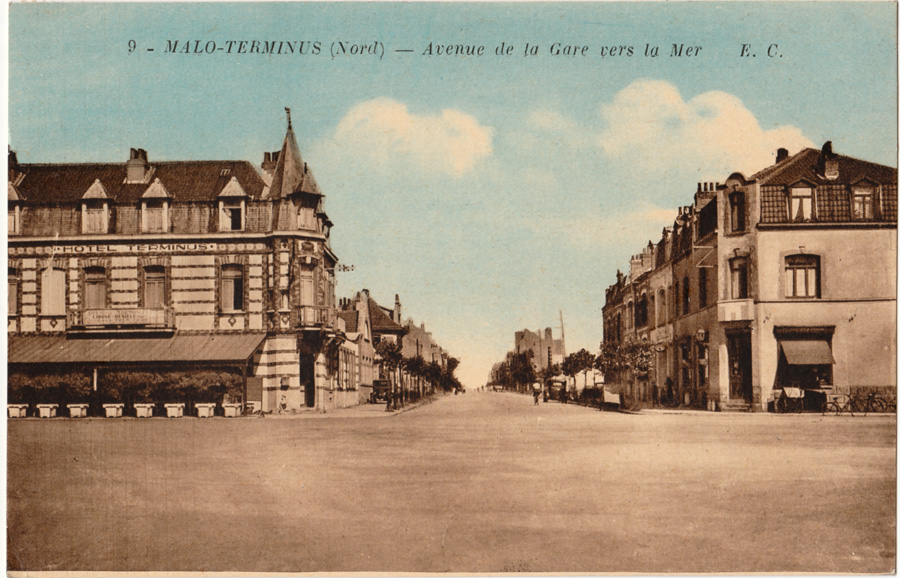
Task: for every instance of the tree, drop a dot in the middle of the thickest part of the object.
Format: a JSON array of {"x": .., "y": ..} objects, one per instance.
[
  {"x": 390, "y": 358},
  {"x": 584, "y": 361},
  {"x": 521, "y": 368},
  {"x": 626, "y": 363}
]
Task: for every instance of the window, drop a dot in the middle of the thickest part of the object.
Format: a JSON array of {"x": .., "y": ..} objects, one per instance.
[
  {"x": 13, "y": 284},
  {"x": 686, "y": 296},
  {"x": 307, "y": 290},
  {"x": 53, "y": 292},
  {"x": 739, "y": 278},
  {"x": 738, "y": 207},
  {"x": 155, "y": 287},
  {"x": 95, "y": 288},
  {"x": 701, "y": 288},
  {"x": 94, "y": 217},
  {"x": 306, "y": 218},
  {"x": 801, "y": 279},
  {"x": 801, "y": 204},
  {"x": 231, "y": 215},
  {"x": 232, "y": 288},
  {"x": 154, "y": 216},
  {"x": 863, "y": 203},
  {"x": 662, "y": 315},
  {"x": 13, "y": 223}
]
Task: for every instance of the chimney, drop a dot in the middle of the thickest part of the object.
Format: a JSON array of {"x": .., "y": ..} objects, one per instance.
[
  {"x": 828, "y": 163},
  {"x": 396, "y": 308},
  {"x": 136, "y": 168},
  {"x": 781, "y": 155},
  {"x": 12, "y": 166},
  {"x": 269, "y": 162}
]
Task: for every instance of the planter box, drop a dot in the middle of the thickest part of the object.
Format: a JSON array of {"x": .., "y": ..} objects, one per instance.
[
  {"x": 46, "y": 409},
  {"x": 252, "y": 406},
  {"x": 174, "y": 410},
  {"x": 232, "y": 409},
  {"x": 77, "y": 409},
  {"x": 113, "y": 409},
  {"x": 143, "y": 409},
  {"x": 205, "y": 409},
  {"x": 17, "y": 410}
]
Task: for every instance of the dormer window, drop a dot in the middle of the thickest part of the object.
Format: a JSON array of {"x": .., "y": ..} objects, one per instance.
[
  {"x": 800, "y": 204},
  {"x": 154, "y": 216},
  {"x": 863, "y": 204},
  {"x": 231, "y": 214},
  {"x": 306, "y": 218},
  {"x": 94, "y": 217}
]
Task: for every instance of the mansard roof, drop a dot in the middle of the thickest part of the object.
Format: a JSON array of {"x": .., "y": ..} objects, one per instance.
[
  {"x": 806, "y": 166},
  {"x": 184, "y": 180}
]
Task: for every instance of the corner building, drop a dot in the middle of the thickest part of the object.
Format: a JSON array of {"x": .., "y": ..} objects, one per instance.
[
  {"x": 783, "y": 279},
  {"x": 178, "y": 265}
]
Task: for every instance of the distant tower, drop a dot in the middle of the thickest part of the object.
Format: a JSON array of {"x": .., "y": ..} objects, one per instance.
[{"x": 562, "y": 328}]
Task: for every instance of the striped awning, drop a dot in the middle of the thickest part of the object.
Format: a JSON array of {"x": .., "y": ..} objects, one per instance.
[{"x": 180, "y": 348}]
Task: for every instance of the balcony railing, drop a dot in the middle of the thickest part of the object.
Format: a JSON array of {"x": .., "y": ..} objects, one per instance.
[
  {"x": 313, "y": 316},
  {"x": 136, "y": 319}
]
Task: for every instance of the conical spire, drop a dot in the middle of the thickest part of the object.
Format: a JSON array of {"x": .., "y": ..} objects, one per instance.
[{"x": 288, "y": 174}]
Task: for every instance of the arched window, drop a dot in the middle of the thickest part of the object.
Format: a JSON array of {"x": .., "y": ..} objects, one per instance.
[{"x": 738, "y": 212}]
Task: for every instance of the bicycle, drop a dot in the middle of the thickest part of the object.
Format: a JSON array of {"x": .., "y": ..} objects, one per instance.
[
  {"x": 839, "y": 404},
  {"x": 871, "y": 403}
]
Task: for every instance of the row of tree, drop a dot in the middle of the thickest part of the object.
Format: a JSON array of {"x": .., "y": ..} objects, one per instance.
[
  {"x": 428, "y": 375},
  {"x": 620, "y": 362}
]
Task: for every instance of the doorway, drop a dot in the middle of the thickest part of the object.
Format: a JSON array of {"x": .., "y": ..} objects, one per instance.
[
  {"x": 308, "y": 378},
  {"x": 740, "y": 366}
]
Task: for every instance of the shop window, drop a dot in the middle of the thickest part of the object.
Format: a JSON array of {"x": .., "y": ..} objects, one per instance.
[
  {"x": 95, "y": 288},
  {"x": 685, "y": 296},
  {"x": 94, "y": 217},
  {"x": 231, "y": 215},
  {"x": 863, "y": 203},
  {"x": 802, "y": 278},
  {"x": 738, "y": 212},
  {"x": 155, "y": 287},
  {"x": 232, "y": 288},
  {"x": 53, "y": 292},
  {"x": 155, "y": 216},
  {"x": 739, "y": 289},
  {"x": 801, "y": 204},
  {"x": 12, "y": 281}
]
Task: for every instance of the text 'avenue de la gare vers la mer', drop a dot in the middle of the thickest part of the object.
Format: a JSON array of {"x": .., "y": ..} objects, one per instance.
[{"x": 377, "y": 49}]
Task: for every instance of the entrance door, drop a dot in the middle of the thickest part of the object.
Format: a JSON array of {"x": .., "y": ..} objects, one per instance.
[
  {"x": 308, "y": 378},
  {"x": 740, "y": 367}
]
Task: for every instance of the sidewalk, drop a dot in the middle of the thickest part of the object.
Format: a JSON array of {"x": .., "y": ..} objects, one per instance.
[{"x": 367, "y": 410}]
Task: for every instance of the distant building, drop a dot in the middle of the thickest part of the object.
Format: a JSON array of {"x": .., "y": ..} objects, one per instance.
[
  {"x": 783, "y": 279},
  {"x": 547, "y": 351}
]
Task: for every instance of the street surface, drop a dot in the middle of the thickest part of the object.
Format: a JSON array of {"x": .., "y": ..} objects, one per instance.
[{"x": 481, "y": 482}]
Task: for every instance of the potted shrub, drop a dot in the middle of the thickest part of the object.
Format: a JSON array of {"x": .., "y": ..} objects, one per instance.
[
  {"x": 46, "y": 409},
  {"x": 205, "y": 409}
]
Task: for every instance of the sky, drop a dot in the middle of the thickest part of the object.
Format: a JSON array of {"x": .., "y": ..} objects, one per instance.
[{"x": 490, "y": 192}]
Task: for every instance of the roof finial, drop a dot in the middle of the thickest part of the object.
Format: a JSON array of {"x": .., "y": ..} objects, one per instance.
[{"x": 288, "y": 111}]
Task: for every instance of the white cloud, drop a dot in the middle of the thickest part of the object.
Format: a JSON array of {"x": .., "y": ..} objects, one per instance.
[
  {"x": 383, "y": 132},
  {"x": 650, "y": 125}
]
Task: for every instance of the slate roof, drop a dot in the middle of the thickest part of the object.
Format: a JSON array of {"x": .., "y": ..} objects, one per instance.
[
  {"x": 805, "y": 166},
  {"x": 351, "y": 320},
  {"x": 184, "y": 180},
  {"x": 381, "y": 322},
  {"x": 291, "y": 174}
]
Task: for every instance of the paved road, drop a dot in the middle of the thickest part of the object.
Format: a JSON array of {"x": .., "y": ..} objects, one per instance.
[{"x": 471, "y": 483}]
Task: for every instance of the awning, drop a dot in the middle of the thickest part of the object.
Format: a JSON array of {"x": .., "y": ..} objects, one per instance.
[
  {"x": 807, "y": 352},
  {"x": 189, "y": 348}
]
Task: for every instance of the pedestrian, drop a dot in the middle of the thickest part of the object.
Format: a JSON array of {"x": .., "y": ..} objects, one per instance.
[
  {"x": 389, "y": 399},
  {"x": 536, "y": 390}
]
